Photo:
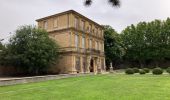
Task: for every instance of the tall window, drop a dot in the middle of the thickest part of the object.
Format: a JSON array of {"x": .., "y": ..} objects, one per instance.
[
  {"x": 82, "y": 25},
  {"x": 90, "y": 43},
  {"x": 76, "y": 22},
  {"x": 102, "y": 46},
  {"x": 90, "y": 29},
  {"x": 55, "y": 22},
  {"x": 76, "y": 41},
  {"x": 99, "y": 33},
  {"x": 96, "y": 45},
  {"x": 77, "y": 61},
  {"x": 99, "y": 46},
  {"x": 96, "y": 31},
  {"x": 83, "y": 42},
  {"x": 45, "y": 25}
]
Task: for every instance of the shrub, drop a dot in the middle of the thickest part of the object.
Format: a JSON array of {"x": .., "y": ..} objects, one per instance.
[
  {"x": 142, "y": 71},
  {"x": 146, "y": 70},
  {"x": 136, "y": 70},
  {"x": 157, "y": 71},
  {"x": 129, "y": 71},
  {"x": 168, "y": 70}
]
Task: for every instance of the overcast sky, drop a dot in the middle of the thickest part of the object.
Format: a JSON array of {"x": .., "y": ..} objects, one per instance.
[{"x": 14, "y": 13}]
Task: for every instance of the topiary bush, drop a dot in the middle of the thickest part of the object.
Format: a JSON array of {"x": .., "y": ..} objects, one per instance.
[
  {"x": 168, "y": 70},
  {"x": 157, "y": 71},
  {"x": 146, "y": 70},
  {"x": 129, "y": 71},
  {"x": 136, "y": 70},
  {"x": 142, "y": 71}
]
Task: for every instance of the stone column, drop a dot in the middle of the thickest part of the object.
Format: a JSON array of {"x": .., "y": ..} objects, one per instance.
[{"x": 81, "y": 64}]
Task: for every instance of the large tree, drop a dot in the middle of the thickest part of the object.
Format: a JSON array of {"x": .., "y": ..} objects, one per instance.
[
  {"x": 31, "y": 50},
  {"x": 113, "y": 46},
  {"x": 114, "y": 3},
  {"x": 1, "y": 46},
  {"x": 147, "y": 42},
  {"x": 134, "y": 42}
]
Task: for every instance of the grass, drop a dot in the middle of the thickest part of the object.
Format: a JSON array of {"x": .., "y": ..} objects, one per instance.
[{"x": 99, "y": 87}]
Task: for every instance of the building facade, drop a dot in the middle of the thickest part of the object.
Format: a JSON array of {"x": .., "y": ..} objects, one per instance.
[{"x": 81, "y": 42}]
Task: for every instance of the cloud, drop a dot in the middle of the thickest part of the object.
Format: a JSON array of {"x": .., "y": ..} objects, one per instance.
[{"x": 15, "y": 13}]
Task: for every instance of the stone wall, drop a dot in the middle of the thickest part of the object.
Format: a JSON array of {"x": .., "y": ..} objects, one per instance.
[{"x": 22, "y": 80}]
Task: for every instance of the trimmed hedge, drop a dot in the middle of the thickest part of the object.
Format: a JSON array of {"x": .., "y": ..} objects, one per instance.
[
  {"x": 129, "y": 71},
  {"x": 142, "y": 71},
  {"x": 157, "y": 71},
  {"x": 136, "y": 70},
  {"x": 146, "y": 70}
]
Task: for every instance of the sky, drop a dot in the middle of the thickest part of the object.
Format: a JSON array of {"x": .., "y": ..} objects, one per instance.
[{"x": 15, "y": 13}]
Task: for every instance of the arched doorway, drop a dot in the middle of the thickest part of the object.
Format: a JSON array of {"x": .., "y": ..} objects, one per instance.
[{"x": 91, "y": 65}]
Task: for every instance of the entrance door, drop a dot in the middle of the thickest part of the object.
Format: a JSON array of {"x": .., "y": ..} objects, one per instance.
[{"x": 92, "y": 65}]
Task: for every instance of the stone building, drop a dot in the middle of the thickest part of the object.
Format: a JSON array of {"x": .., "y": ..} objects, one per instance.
[{"x": 81, "y": 42}]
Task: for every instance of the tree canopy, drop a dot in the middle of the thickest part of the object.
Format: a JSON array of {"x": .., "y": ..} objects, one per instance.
[
  {"x": 31, "y": 50},
  {"x": 1, "y": 46},
  {"x": 147, "y": 41},
  {"x": 113, "y": 46}
]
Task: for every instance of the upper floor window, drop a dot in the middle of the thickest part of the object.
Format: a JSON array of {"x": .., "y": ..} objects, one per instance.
[
  {"x": 90, "y": 29},
  {"x": 76, "y": 24},
  {"x": 96, "y": 45},
  {"x": 76, "y": 41},
  {"x": 99, "y": 33},
  {"x": 90, "y": 43},
  {"x": 102, "y": 46},
  {"x": 45, "y": 25},
  {"x": 102, "y": 33},
  {"x": 56, "y": 22},
  {"x": 93, "y": 31},
  {"x": 96, "y": 31},
  {"x": 83, "y": 42},
  {"x": 82, "y": 25},
  {"x": 99, "y": 46}
]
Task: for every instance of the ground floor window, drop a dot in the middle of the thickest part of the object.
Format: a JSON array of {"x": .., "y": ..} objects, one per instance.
[
  {"x": 77, "y": 64},
  {"x": 84, "y": 64}
]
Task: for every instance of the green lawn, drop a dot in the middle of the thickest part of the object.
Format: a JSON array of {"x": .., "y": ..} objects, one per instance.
[{"x": 99, "y": 87}]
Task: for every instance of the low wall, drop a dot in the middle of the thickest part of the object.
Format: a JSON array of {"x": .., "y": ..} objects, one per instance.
[{"x": 22, "y": 80}]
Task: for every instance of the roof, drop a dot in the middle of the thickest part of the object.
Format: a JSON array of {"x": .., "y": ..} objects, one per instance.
[{"x": 66, "y": 12}]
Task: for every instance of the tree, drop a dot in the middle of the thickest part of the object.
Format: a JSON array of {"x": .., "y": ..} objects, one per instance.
[
  {"x": 147, "y": 42},
  {"x": 1, "y": 46},
  {"x": 114, "y": 3},
  {"x": 113, "y": 46},
  {"x": 31, "y": 50},
  {"x": 134, "y": 42}
]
